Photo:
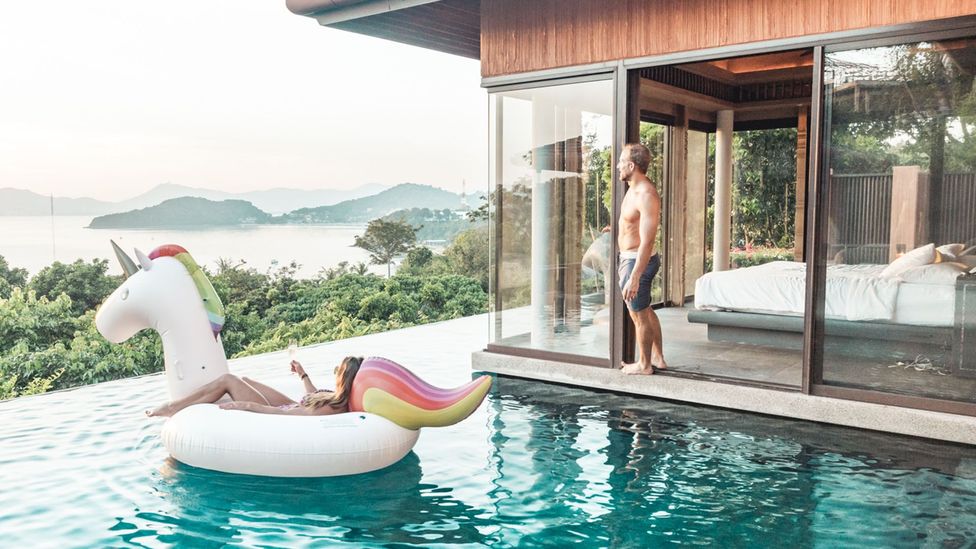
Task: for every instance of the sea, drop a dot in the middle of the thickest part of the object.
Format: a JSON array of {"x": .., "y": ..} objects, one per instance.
[{"x": 34, "y": 242}]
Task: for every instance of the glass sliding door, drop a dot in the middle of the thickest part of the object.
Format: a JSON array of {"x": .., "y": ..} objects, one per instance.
[
  {"x": 552, "y": 165},
  {"x": 900, "y": 205}
]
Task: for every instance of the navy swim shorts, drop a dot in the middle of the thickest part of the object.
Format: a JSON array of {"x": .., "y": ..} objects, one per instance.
[{"x": 625, "y": 268}]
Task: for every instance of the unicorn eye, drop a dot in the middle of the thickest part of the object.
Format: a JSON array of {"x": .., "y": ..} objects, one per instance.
[{"x": 125, "y": 294}]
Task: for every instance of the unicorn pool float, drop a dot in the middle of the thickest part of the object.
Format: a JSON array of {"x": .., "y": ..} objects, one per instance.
[{"x": 169, "y": 293}]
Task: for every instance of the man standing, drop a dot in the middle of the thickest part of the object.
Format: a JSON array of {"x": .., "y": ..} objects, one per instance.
[{"x": 640, "y": 216}]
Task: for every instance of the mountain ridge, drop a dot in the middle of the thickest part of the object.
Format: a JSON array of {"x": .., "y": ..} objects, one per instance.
[{"x": 25, "y": 202}]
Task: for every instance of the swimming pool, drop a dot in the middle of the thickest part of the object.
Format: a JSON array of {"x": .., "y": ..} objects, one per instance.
[{"x": 537, "y": 464}]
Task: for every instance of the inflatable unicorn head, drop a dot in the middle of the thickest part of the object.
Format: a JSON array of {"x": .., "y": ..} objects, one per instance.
[{"x": 169, "y": 293}]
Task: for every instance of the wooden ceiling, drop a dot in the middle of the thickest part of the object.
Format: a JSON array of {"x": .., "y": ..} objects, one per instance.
[{"x": 772, "y": 67}]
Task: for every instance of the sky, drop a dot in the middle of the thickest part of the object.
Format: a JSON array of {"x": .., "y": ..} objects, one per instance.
[{"x": 108, "y": 99}]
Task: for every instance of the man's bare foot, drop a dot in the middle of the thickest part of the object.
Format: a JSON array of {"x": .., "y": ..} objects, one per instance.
[
  {"x": 163, "y": 411},
  {"x": 660, "y": 364},
  {"x": 637, "y": 368}
]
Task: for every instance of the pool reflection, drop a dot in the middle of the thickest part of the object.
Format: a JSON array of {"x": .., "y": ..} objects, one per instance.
[{"x": 392, "y": 505}]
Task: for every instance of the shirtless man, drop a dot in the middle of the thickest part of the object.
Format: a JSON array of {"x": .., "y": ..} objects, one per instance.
[{"x": 640, "y": 216}]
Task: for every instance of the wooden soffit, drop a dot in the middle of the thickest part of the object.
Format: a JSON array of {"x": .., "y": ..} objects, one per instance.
[
  {"x": 522, "y": 36},
  {"x": 450, "y": 26}
]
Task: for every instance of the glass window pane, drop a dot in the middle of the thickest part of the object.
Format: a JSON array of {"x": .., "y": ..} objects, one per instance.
[
  {"x": 901, "y": 219},
  {"x": 552, "y": 167}
]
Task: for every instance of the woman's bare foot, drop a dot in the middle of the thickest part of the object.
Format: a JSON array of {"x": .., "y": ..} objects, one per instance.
[
  {"x": 165, "y": 410},
  {"x": 636, "y": 368},
  {"x": 660, "y": 364}
]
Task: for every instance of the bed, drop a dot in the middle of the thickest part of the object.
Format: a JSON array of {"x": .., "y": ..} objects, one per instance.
[
  {"x": 868, "y": 310},
  {"x": 853, "y": 293}
]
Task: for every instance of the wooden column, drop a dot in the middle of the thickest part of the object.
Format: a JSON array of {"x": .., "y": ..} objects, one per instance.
[
  {"x": 677, "y": 209},
  {"x": 696, "y": 180},
  {"x": 802, "y": 127},
  {"x": 909, "y": 210},
  {"x": 722, "y": 224}
]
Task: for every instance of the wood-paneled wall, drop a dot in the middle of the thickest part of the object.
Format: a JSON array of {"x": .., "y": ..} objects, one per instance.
[{"x": 527, "y": 35}]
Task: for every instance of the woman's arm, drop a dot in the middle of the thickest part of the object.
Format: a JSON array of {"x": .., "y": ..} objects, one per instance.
[{"x": 300, "y": 370}]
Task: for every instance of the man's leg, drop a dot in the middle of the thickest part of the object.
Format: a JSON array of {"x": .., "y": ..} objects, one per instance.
[
  {"x": 656, "y": 352},
  {"x": 645, "y": 343}
]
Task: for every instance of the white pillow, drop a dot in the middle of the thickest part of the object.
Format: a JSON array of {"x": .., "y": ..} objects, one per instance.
[
  {"x": 950, "y": 251},
  {"x": 968, "y": 260},
  {"x": 923, "y": 255},
  {"x": 936, "y": 273}
]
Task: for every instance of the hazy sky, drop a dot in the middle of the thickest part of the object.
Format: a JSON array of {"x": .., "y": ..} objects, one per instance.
[{"x": 110, "y": 98}]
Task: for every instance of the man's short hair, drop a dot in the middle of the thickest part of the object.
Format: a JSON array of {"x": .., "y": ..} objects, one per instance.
[{"x": 639, "y": 155}]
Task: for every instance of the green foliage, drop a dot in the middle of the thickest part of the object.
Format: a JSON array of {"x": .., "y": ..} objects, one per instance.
[
  {"x": 353, "y": 304},
  {"x": 468, "y": 255},
  {"x": 42, "y": 339},
  {"x": 387, "y": 239},
  {"x": 433, "y": 224},
  {"x": 764, "y": 187},
  {"x": 36, "y": 386},
  {"x": 87, "y": 284},
  {"x": 753, "y": 257},
  {"x": 35, "y": 321},
  {"x": 13, "y": 276}
]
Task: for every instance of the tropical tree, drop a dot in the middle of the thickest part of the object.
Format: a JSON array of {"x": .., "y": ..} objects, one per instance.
[
  {"x": 468, "y": 254},
  {"x": 87, "y": 284},
  {"x": 387, "y": 239},
  {"x": 12, "y": 275}
]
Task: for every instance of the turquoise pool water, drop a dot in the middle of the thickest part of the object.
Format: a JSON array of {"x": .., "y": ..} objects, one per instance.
[{"x": 537, "y": 465}]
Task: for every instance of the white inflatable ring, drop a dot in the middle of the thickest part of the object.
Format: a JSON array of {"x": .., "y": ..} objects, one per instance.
[{"x": 242, "y": 442}]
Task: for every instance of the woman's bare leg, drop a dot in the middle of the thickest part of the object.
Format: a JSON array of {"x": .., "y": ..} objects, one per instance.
[
  {"x": 227, "y": 384},
  {"x": 274, "y": 397}
]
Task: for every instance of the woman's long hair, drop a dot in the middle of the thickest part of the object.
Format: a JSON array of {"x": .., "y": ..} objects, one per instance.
[{"x": 345, "y": 374}]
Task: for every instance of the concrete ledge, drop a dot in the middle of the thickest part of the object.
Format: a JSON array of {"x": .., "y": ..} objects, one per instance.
[{"x": 864, "y": 415}]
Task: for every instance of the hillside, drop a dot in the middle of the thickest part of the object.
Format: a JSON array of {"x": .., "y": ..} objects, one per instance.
[
  {"x": 434, "y": 224},
  {"x": 278, "y": 200},
  {"x": 190, "y": 212},
  {"x": 21, "y": 202},
  {"x": 361, "y": 210}
]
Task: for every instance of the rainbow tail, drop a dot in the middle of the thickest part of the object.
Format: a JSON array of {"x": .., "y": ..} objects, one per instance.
[{"x": 385, "y": 388}]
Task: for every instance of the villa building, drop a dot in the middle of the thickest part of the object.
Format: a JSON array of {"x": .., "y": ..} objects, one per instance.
[{"x": 817, "y": 165}]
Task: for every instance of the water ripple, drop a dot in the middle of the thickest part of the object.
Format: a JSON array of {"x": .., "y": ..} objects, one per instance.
[{"x": 537, "y": 465}]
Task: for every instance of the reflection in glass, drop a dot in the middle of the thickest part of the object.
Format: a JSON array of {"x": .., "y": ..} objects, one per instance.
[
  {"x": 901, "y": 218},
  {"x": 552, "y": 166}
]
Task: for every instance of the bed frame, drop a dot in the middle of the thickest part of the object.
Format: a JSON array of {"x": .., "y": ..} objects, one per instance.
[{"x": 862, "y": 339}]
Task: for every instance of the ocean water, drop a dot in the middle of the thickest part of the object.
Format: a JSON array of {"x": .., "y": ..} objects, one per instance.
[
  {"x": 536, "y": 465},
  {"x": 33, "y": 242}
]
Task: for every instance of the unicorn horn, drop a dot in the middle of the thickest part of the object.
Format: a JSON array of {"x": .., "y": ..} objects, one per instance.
[
  {"x": 143, "y": 260},
  {"x": 128, "y": 266}
]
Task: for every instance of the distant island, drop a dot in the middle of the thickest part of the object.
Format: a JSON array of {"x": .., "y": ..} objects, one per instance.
[
  {"x": 184, "y": 212},
  {"x": 362, "y": 210},
  {"x": 23, "y": 202},
  {"x": 439, "y": 212}
]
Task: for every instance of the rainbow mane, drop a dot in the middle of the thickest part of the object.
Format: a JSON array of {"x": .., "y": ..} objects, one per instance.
[
  {"x": 385, "y": 388},
  {"x": 211, "y": 301}
]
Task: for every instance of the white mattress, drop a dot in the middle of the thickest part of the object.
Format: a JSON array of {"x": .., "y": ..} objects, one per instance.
[
  {"x": 854, "y": 292},
  {"x": 925, "y": 305}
]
